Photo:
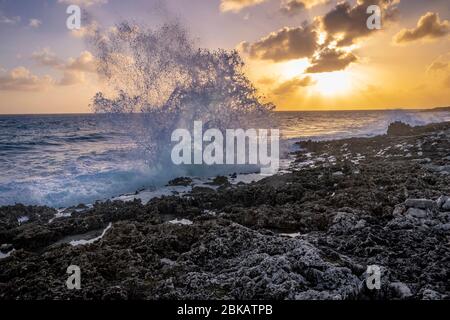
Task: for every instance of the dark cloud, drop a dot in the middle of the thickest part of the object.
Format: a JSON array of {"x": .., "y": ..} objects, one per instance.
[
  {"x": 285, "y": 44},
  {"x": 350, "y": 22},
  {"x": 429, "y": 26},
  {"x": 342, "y": 25},
  {"x": 330, "y": 60},
  {"x": 293, "y": 7},
  {"x": 292, "y": 85}
]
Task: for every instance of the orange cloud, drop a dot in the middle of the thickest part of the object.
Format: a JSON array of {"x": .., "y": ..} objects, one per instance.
[
  {"x": 21, "y": 79},
  {"x": 429, "y": 26}
]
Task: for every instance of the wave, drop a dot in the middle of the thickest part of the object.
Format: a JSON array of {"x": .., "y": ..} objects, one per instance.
[{"x": 163, "y": 82}]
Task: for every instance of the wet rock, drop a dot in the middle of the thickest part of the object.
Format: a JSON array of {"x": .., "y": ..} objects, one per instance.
[
  {"x": 181, "y": 181},
  {"x": 399, "y": 129},
  {"x": 220, "y": 180}
]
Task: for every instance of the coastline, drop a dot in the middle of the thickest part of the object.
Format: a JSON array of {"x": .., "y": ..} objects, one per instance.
[{"x": 306, "y": 234}]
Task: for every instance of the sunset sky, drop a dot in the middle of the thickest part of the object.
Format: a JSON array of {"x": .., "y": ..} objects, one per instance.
[{"x": 300, "y": 54}]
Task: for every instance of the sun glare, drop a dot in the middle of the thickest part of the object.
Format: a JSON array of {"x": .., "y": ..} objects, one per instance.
[
  {"x": 333, "y": 83},
  {"x": 293, "y": 68}
]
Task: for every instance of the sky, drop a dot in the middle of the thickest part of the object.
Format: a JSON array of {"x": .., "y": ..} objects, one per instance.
[{"x": 299, "y": 54}]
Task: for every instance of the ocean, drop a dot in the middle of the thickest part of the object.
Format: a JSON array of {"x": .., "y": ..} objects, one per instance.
[{"x": 64, "y": 160}]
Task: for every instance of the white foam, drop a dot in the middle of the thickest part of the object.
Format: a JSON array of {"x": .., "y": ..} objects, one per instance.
[
  {"x": 184, "y": 222},
  {"x": 83, "y": 242},
  {"x": 6, "y": 255},
  {"x": 291, "y": 235},
  {"x": 23, "y": 219}
]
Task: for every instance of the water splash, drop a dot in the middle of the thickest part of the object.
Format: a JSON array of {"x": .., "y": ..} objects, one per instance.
[{"x": 161, "y": 82}]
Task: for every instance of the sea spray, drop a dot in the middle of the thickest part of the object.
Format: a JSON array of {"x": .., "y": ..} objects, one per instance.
[{"x": 162, "y": 82}]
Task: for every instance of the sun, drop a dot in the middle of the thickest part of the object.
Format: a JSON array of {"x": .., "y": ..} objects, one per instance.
[{"x": 333, "y": 83}]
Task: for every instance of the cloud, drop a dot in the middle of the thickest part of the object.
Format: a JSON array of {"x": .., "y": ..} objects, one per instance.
[
  {"x": 90, "y": 30},
  {"x": 447, "y": 82},
  {"x": 348, "y": 23},
  {"x": 442, "y": 62},
  {"x": 71, "y": 78},
  {"x": 9, "y": 20},
  {"x": 293, "y": 7},
  {"x": 35, "y": 23},
  {"x": 438, "y": 65},
  {"x": 284, "y": 44},
  {"x": 74, "y": 69},
  {"x": 429, "y": 26},
  {"x": 46, "y": 57},
  {"x": 237, "y": 5},
  {"x": 330, "y": 60},
  {"x": 83, "y": 3},
  {"x": 85, "y": 63},
  {"x": 293, "y": 85},
  {"x": 440, "y": 69},
  {"x": 339, "y": 29},
  {"x": 21, "y": 79}
]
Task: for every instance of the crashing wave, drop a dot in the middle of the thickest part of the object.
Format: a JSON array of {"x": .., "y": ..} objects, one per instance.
[{"x": 161, "y": 82}]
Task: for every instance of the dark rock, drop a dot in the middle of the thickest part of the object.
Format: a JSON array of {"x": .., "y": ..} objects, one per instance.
[
  {"x": 420, "y": 203},
  {"x": 446, "y": 205},
  {"x": 220, "y": 181},
  {"x": 342, "y": 225},
  {"x": 399, "y": 129},
  {"x": 181, "y": 181}
]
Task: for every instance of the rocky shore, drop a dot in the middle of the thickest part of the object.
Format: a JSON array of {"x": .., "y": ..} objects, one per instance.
[{"x": 306, "y": 234}]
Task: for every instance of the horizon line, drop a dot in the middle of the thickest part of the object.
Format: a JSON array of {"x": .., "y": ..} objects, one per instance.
[{"x": 287, "y": 110}]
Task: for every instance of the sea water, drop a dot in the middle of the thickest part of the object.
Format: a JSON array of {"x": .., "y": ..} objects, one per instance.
[{"x": 64, "y": 160}]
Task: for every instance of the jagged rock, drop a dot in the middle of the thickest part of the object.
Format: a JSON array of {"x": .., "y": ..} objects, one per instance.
[
  {"x": 429, "y": 294},
  {"x": 416, "y": 213},
  {"x": 446, "y": 205},
  {"x": 181, "y": 181},
  {"x": 443, "y": 226},
  {"x": 441, "y": 201},
  {"x": 343, "y": 221},
  {"x": 342, "y": 225},
  {"x": 398, "y": 210},
  {"x": 420, "y": 203},
  {"x": 220, "y": 180},
  {"x": 399, "y": 129},
  {"x": 401, "y": 290}
]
